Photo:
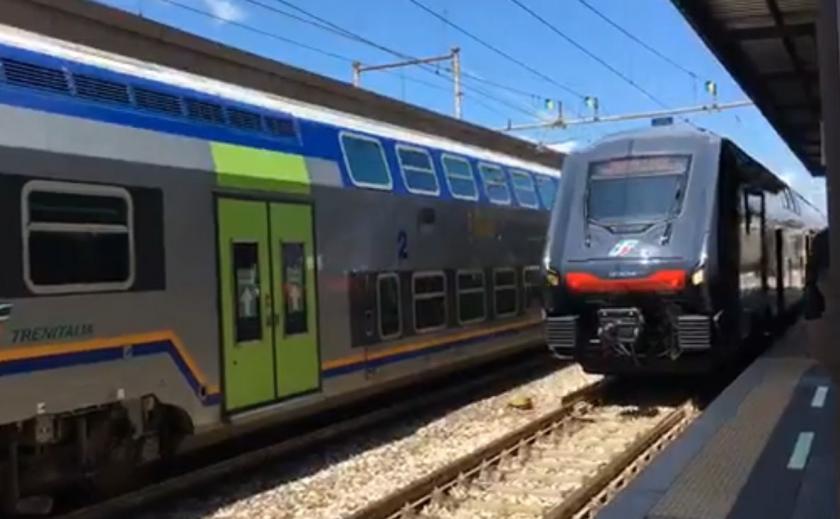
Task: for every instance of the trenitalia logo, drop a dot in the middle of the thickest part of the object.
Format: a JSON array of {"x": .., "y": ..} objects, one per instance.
[{"x": 623, "y": 248}]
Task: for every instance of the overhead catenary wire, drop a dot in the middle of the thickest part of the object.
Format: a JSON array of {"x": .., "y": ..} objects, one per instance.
[
  {"x": 324, "y": 24},
  {"x": 653, "y": 50},
  {"x": 257, "y": 30},
  {"x": 496, "y": 49},
  {"x": 589, "y": 53},
  {"x": 344, "y": 58}
]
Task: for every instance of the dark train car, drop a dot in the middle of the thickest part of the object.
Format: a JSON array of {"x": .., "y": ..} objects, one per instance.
[{"x": 666, "y": 248}]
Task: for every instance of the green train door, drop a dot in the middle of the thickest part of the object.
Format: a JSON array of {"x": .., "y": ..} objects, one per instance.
[
  {"x": 293, "y": 278},
  {"x": 268, "y": 307}
]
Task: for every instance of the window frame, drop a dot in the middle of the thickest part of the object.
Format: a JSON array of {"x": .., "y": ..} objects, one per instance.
[
  {"x": 443, "y": 158},
  {"x": 529, "y": 268},
  {"x": 514, "y": 171},
  {"x": 538, "y": 177},
  {"x": 235, "y": 293},
  {"x": 414, "y": 299},
  {"x": 459, "y": 291},
  {"x": 497, "y": 288},
  {"x": 506, "y": 183},
  {"x": 379, "y": 278},
  {"x": 408, "y": 147},
  {"x": 369, "y": 185},
  {"x": 525, "y": 285},
  {"x": 73, "y": 188}
]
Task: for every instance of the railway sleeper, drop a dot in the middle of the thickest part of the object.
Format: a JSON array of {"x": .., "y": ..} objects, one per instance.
[{"x": 92, "y": 451}]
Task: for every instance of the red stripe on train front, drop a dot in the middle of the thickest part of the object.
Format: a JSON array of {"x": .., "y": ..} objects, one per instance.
[{"x": 660, "y": 281}]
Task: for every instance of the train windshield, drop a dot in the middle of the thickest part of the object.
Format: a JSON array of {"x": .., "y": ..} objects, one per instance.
[{"x": 638, "y": 189}]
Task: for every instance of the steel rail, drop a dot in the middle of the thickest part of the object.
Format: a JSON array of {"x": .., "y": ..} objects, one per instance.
[
  {"x": 594, "y": 493},
  {"x": 414, "y": 496}
]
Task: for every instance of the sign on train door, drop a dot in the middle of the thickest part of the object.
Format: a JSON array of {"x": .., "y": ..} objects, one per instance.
[{"x": 268, "y": 306}]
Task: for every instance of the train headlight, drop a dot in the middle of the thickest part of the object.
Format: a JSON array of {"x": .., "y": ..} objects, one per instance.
[
  {"x": 698, "y": 277},
  {"x": 552, "y": 278}
]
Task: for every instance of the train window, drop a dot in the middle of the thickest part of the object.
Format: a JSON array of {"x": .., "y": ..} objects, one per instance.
[
  {"x": 504, "y": 292},
  {"x": 429, "y": 290},
  {"x": 532, "y": 286},
  {"x": 390, "y": 311},
  {"x": 547, "y": 189},
  {"x": 752, "y": 211},
  {"x": 495, "y": 184},
  {"x": 472, "y": 306},
  {"x": 365, "y": 161},
  {"x": 460, "y": 178},
  {"x": 77, "y": 237},
  {"x": 794, "y": 203},
  {"x": 640, "y": 188},
  {"x": 786, "y": 200},
  {"x": 417, "y": 170},
  {"x": 246, "y": 268},
  {"x": 523, "y": 188},
  {"x": 294, "y": 288}
]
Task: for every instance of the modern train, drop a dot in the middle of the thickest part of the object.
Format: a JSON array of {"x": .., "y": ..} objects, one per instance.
[
  {"x": 183, "y": 260},
  {"x": 669, "y": 246}
]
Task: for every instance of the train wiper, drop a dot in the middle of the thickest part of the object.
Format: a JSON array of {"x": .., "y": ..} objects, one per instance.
[{"x": 672, "y": 214}]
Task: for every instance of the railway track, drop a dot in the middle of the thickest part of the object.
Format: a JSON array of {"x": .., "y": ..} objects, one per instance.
[
  {"x": 565, "y": 464},
  {"x": 214, "y": 469}
]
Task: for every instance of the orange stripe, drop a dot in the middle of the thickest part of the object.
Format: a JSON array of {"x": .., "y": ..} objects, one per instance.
[
  {"x": 424, "y": 344},
  {"x": 45, "y": 350}
]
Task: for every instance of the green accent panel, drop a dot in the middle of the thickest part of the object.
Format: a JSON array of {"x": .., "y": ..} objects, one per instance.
[
  {"x": 252, "y": 168},
  {"x": 296, "y": 344},
  {"x": 247, "y": 346}
]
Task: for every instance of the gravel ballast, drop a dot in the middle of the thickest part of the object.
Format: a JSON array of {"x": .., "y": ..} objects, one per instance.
[{"x": 347, "y": 475}]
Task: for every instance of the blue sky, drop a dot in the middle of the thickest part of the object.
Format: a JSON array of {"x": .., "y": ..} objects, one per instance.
[{"x": 402, "y": 26}]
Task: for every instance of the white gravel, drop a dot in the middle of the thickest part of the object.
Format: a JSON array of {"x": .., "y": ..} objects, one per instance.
[
  {"x": 359, "y": 471},
  {"x": 554, "y": 468}
]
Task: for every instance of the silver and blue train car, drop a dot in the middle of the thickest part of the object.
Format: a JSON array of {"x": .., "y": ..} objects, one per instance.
[
  {"x": 185, "y": 258},
  {"x": 666, "y": 248}
]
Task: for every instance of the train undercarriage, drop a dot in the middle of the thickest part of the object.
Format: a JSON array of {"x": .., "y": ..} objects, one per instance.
[
  {"x": 637, "y": 335},
  {"x": 95, "y": 450}
]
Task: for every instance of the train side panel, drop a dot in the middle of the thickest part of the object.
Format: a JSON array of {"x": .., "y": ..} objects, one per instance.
[{"x": 139, "y": 327}]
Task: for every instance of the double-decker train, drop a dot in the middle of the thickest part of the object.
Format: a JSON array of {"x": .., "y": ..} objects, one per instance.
[
  {"x": 666, "y": 248},
  {"x": 182, "y": 258}
]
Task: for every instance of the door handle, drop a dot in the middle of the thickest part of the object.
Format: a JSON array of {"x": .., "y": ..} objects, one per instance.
[
  {"x": 269, "y": 315},
  {"x": 5, "y": 311}
]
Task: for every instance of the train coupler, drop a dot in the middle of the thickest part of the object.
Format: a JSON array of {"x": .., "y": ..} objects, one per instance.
[{"x": 619, "y": 329}]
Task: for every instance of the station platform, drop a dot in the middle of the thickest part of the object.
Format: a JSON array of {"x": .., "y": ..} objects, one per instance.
[{"x": 764, "y": 449}]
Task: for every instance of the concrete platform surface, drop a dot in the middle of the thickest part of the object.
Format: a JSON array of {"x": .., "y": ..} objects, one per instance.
[{"x": 763, "y": 449}]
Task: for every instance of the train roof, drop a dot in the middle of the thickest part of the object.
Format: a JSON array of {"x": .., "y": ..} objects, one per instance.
[
  {"x": 753, "y": 167},
  {"x": 193, "y": 63},
  {"x": 757, "y": 171},
  {"x": 658, "y": 132}
]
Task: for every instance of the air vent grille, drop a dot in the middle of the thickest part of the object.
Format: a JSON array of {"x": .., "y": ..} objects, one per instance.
[
  {"x": 244, "y": 120},
  {"x": 204, "y": 111},
  {"x": 280, "y": 127},
  {"x": 101, "y": 90},
  {"x": 24, "y": 74},
  {"x": 90, "y": 87},
  {"x": 157, "y": 101}
]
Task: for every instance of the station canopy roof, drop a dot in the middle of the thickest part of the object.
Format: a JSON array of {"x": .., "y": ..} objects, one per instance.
[{"x": 770, "y": 48}]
